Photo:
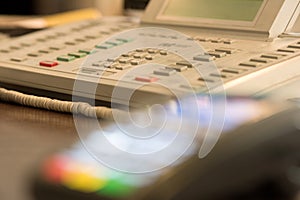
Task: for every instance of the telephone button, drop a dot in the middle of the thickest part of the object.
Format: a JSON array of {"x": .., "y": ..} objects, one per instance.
[{"x": 48, "y": 63}]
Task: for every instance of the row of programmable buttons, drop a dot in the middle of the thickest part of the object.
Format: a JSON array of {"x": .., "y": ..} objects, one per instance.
[
  {"x": 32, "y": 42},
  {"x": 262, "y": 60},
  {"x": 49, "y": 37},
  {"x": 173, "y": 68},
  {"x": 86, "y": 37},
  {"x": 86, "y": 25},
  {"x": 40, "y": 52},
  {"x": 92, "y": 24},
  {"x": 224, "y": 74},
  {"x": 58, "y": 34},
  {"x": 214, "y": 54},
  {"x": 46, "y": 38},
  {"x": 67, "y": 57},
  {"x": 244, "y": 67},
  {"x": 158, "y": 35},
  {"x": 214, "y": 40},
  {"x": 94, "y": 35},
  {"x": 97, "y": 33},
  {"x": 22, "y": 45},
  {"x": 216, "y": 77},
  {"x": 292, "y": 48},
  {"x": 113, "y": 43},
  {"x": 51, "y": 49},
  {"x": 73, "y": 42},
  {"x": 167, "y": 71},
  {"x": 256, "y": 62}
]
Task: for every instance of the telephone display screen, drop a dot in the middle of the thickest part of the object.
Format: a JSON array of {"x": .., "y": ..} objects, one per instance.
[{"x": 235, "y": 10}]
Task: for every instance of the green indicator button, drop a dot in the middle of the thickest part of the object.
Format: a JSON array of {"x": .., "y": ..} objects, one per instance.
[
  {"x": 115, "y": 188},
  {"x": 77, "y": 55},
  {"x": 115, "y": 43},
  {"x": 66, "y": 58},
  {"x": 125, "y": 39},
  {"x": 105, "y": 46},
  {"x": 86, "y": 51}
]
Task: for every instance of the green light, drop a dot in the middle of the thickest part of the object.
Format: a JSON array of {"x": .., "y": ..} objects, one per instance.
[{"x": 115, "y": 188}]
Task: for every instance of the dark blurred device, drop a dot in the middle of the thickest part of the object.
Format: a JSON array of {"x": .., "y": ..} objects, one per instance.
[
  {"x": 256, "y": 158},
  {"x": 136, "y": 4},
  {"x": 34, "y": 7},
  {"x": 17, "y": 7},
  {"x": 15, "y": 12}
]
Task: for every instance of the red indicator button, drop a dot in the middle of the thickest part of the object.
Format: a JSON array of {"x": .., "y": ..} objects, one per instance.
[
  {"x": 146, "y": 79},
  {"x": 48, "y": 63}
]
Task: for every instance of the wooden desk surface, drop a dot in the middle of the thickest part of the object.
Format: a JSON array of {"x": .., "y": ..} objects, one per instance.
[{"x": 27, "y": 135}]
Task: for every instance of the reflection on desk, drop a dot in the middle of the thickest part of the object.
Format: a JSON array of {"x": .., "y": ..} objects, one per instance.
[{"x": 27, "y": 135}]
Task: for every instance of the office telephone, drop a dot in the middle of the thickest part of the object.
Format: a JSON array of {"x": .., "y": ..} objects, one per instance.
[
  {"x": 249, "y": 54},
  {"x": 245, "y": 47}
]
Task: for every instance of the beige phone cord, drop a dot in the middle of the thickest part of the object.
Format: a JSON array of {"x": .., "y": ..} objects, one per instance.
[{"x": 56, "y": 105}]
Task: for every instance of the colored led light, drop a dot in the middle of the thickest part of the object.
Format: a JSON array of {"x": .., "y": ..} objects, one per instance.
[
  {"x": 53, "y": 169},
  {"x": 83, "y": 182},
  {"x": 81, "y": 177},
  {"x": 115, "y": 188}
]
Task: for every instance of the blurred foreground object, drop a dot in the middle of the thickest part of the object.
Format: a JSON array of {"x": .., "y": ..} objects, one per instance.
[
  {"x": 256, "y": 157},
  {"x": 41, "y": 22},
  {"x": 136, "y": 4}
]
